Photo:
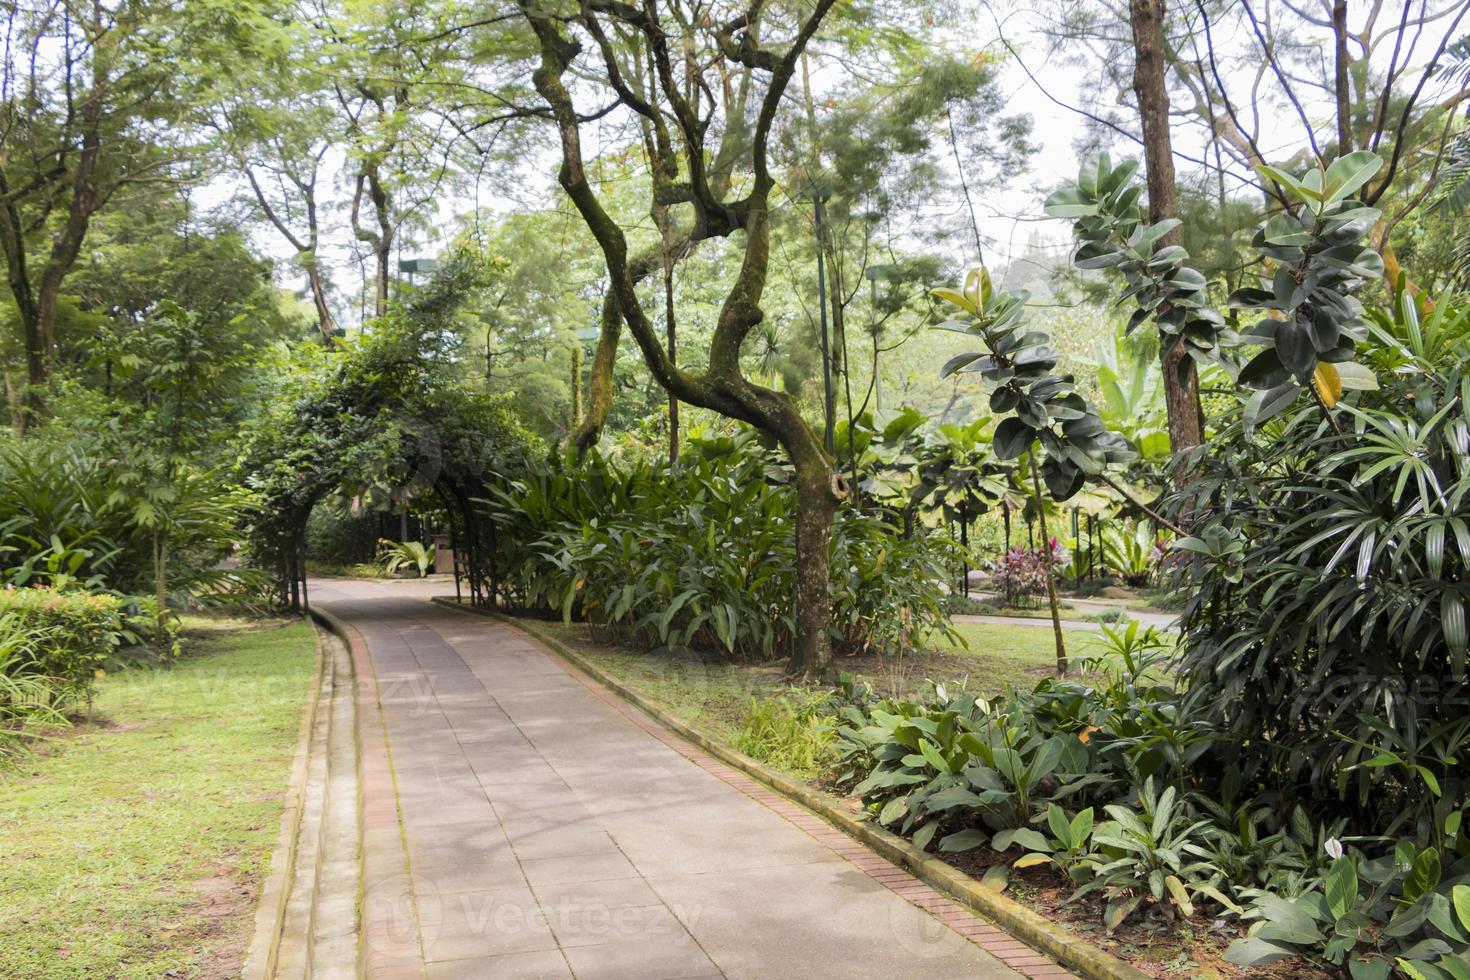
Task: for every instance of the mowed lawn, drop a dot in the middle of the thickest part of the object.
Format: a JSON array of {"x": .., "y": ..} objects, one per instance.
[
  {"x": 717, "y": 696},
  {"x": 134, "y": 845}
]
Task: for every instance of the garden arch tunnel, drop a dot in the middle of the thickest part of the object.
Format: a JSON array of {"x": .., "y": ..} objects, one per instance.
[{"x": 385, "y": 416}]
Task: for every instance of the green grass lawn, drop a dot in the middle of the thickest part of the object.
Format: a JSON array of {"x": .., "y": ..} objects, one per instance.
[
  {"x": 996, "y": 657},
  {"x": 717, "y": 696},
  {"x": 134, "y": 845}
]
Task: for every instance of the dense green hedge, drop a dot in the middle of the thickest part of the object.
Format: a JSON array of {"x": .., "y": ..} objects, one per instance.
[{"x": 67, "y": 637}]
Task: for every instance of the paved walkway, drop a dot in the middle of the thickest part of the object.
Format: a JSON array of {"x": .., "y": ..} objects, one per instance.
[
  {"x": 1159, "y": 621},
  {"x": 553, "y": 831}
]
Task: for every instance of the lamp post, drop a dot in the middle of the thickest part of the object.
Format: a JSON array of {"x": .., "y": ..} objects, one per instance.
[
  {"x": 820, "y": 195},
  {"x": 411, "y": 266}
]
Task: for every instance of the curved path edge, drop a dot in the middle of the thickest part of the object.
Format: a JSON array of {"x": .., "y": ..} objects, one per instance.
[
  {"x": 390, "y": 946},
  {"x": 1026, "y": 932},
  {"x": 264, "y": 946}
]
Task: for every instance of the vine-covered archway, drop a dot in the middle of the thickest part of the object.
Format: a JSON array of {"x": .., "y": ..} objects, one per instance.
[{"x": 384, "y": 418}]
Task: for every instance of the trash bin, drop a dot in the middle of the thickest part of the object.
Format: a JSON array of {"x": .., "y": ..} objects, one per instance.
[{"x": 443, "y": 555}]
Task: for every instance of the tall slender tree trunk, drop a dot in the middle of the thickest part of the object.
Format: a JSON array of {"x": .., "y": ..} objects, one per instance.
[
  {"x": 1051, "y": 579},
  {"x": 324, "y": 320},
  {"x": 666, "y": 240},
  {"x": 384, "y": 253},
  {"x": 1340, "y": 63},
  {"x": 1181, "y": 383}
]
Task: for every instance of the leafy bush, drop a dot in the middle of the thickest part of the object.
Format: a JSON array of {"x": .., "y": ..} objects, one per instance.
[
  {"x": 395, "y": 556},
  {"x": 342, "y": 539},
  {"x": 1021, "y": 576},
  {"x": 1152, "y": 853},
  {"x": 67, "y": 637},
  {"x": 61, "y": 523},
  {"x": 28, "y": 700},
  {"x": 1403, "y": 912},
  {"x": 1132, "y": 551},
  {"x": 957, "y": 769},
  {"x": 79, "y": 515},
  {"x": 702, "y": 554},
  {"x": 1326, "y": 629}
]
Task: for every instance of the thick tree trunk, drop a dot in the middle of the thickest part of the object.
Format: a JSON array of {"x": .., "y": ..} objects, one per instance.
[
  {"x": 817, "y": 496},
  {"x": 1181, "y": 384},
  {"x": 38, "y": 370}
]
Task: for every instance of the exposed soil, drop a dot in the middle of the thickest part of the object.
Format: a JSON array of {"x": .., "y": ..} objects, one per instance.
[
  {"x": 1150, "y": 941},
  {"x": 216, "y": 923}
]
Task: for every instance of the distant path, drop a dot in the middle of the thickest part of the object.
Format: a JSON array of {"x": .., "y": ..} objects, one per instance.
[
  {"x": 1162, "y": 621},
  {"x": 554, "y": 831}
]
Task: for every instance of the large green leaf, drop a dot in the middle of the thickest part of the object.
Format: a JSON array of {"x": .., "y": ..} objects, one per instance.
[{"x": 1012, "y": 438}]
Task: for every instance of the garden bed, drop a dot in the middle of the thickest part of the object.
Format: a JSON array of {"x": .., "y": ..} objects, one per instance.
[{"x": 135, "y": 843}]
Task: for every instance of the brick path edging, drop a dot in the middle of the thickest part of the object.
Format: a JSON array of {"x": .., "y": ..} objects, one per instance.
[
  {"x": 1028, "y": 941},
  {"x": 270, "y": 914},
  {"x": 384, "y": 854}
]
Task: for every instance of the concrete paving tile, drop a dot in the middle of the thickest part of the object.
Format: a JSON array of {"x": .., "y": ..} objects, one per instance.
[
  {"x": 467, "y": 878},
  {"x": 563, "y": 843},
  {"x": 874, "y": 935},
  {"x": 597, "y": 925},
  {"x": 497, "y": 859},
  {"x": 646, "y": 960},
  {"x": 611, "y": 893},
  {"x": 507, "y": 918},
  {"x": 542, "y": 965},
  {"x": 720, "y": 836},
  {"x": 578, "y": 868},
  {"x": 520, "y": 826}
]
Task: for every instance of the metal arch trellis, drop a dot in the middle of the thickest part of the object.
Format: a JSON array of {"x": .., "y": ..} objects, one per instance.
[{"x": 472, "y": 541}]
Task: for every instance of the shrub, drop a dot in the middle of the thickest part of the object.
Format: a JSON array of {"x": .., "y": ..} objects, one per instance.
[
  {"x": 69, "y": 636},
  {"x": 789, "y": 732},
  {"x": 342, "y": 539},
  {"x": 395, "y": 556},
  {"x": 80, "y": 515},
  {"x": 1326, "y": 632},
  {"x": 28, "y": 701},
  {"x": 1132, "y": 551},
  {"x": 702, "y": 554},
  {"x": 1021, "y": 576}
]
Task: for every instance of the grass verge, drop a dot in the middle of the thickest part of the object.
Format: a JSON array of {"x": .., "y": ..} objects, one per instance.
[
  {"x": 717, "y": 696},
  {"x": 134, "y": 844}
]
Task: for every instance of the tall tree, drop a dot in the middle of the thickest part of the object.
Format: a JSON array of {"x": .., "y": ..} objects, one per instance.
[
  {"x": 670, "y": 70},
  {"x": 1181, "y": 381},
  {"x": 283, "y": 166},
  {"x": 95, "y": 97},
  {"x": 280, "y": 125}
]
